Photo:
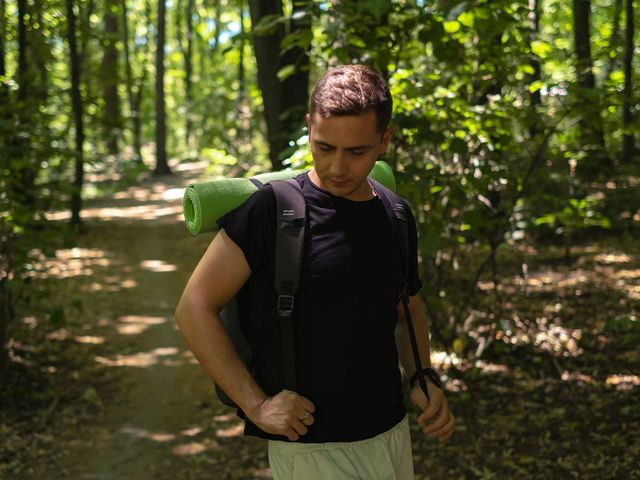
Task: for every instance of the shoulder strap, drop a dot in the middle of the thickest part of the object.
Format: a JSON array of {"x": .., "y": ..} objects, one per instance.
[
  {"x": 399, "y": 222},
  {"x": 290, "y": 229}
]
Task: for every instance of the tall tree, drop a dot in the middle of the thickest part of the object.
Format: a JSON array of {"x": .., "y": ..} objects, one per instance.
[
  {"x": 242, "y": 88},
  {"x": 23, "y": 81},
  {"x": 135, "y": 85},
  {"x": 591, "y": 129},
  {"x": 76, "y": 102},
  {"x": 187, "y": 55},
  {"x": 615, "y": 39},
  {"x": 285, "y": 101},
  {"x": 162, "y": 167},
  {"x": 628, "y": 142},
  {"x": 110, "y": 77},
  {"x": 534, "y": 17},
  {"x": 188, "y": 70},
  {"x": 3, "y": 20},
  {"x": 536, "y": 98}
]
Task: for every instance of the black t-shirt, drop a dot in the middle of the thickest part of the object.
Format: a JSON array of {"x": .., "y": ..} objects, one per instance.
[{"x": 345, "y": 310}]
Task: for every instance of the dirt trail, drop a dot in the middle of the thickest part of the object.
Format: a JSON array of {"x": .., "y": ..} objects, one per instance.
[{"x": 164, "y": 420}]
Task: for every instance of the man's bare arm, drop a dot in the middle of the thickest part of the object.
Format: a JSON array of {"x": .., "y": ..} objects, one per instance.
[
  {"x": 217, "y": 278},
  {"x": 435, "y": 411}
]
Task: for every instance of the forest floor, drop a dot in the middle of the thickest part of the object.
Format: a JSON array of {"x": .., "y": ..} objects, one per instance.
[{"x": 101, "y": 385}]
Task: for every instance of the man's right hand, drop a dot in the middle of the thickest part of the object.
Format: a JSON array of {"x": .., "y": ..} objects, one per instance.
[{"x": 286, "y": 413}]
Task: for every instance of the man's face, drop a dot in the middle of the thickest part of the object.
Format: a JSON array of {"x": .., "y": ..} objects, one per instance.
[{"x": 344, "y": 151}]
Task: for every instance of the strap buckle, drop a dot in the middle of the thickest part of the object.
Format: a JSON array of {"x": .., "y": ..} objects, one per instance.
[{"x": 285, "y": 305}]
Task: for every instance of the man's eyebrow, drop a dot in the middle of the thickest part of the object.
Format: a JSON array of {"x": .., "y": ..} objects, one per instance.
[{"x": 355, "y": 147}]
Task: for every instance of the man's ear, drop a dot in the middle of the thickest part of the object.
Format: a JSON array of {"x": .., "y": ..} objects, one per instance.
[
  {"x": 308, "y": 119},
  {"x": 386, "y": 138}
]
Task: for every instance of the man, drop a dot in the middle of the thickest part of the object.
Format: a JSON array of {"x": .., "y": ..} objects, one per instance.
[{"x": 347, "y": 418}]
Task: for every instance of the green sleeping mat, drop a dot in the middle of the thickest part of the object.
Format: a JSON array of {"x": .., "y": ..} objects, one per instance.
[{"x": 206, "y": 202}]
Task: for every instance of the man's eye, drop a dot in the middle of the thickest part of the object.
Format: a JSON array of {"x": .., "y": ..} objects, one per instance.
[
  {"x": 357, "y": 153},
  {"x": 324, "y": 148}
]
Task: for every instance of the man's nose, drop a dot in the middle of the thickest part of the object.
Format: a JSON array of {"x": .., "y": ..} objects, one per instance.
[{"x": 339, "y": 164}]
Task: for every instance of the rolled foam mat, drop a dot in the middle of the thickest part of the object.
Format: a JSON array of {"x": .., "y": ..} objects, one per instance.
[{"x": 205, "y": 202}]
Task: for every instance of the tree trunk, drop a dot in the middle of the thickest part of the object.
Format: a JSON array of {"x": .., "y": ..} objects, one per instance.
[
  {"x": 110, "y": 77},
  {"x": 187, "y": 55},
  {"x": 22, "y": 190},
  {"x": 534, "y": 16},
  {"x": 7, "y": 312},
  {"x": 76, "y": 101},
  {"x": 162, "y": 167},
  {"x": 3, "y": 68},
  {"x": 135, "y": 112},
  {"x": 615, "y": 38},
  {"x": 241, "y": 73},
  {"x": 592, "y": 136},
  {"x": 22, "y": 51},
  {"x": 285, "y": 102},
  {"x": 628, "y": 141},
  {"x": 188, "y": 68}
]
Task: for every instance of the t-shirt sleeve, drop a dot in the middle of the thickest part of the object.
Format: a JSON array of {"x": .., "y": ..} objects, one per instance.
[
  {"x": 413, "y": 279},
  {"x": 252, "y": 227}
]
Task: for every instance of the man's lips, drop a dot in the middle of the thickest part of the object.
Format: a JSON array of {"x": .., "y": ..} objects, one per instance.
[{"x": 339, "y": 183}]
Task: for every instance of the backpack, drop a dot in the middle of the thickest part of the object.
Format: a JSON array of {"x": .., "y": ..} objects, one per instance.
[{"x": 289, "y": 242}]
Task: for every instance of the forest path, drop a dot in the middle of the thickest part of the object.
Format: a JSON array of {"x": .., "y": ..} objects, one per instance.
[{"x": 162, "y": 420}]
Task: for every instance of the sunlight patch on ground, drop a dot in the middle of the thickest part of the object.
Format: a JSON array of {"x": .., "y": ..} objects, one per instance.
[
  {"x": 157, "y": 266},
  {"x": 173, "y": 194},
  {"x": 577, "y": 377},
  {"x": 190, "y": 357},
  {"x": 101, "y": 287},
  {"x": 141, "y": 359},
  {"x": 89, "y": 340},
  {"x": 623, "y": 382},
  {"x": 150, "y": 211},
  {"x": 233, "y": 431},
  {"x": 136, "y": 324},
  {"x": 261, "y": 472},
  {"x": 612, "y": 258},
  {"x": 60, "y": 334},
  {"x": 557, "y": 279},
  {"x": 194, "y": 448},
  {"x": 66, "y": 263},
  {"x": 606, "y": 274},
  {"x": 443, "y": 360},
  {"x": 491, "y": 368},
  {"x": 31, "y": 321},
  {"x": 191, "y": 432},
  {"x": 190, "y": 166},
  {"x": 141, "y": 433},
  {"x": 630, "y": 274},
  {"x": 546, "y": 335},
  {"x": 227, "y": 417},
  {"x": 557, "y": 339}
]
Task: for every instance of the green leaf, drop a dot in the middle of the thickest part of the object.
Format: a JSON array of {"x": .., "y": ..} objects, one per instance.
[
  {"x": 540, "y": 48},
  {"x": 286, "y": 72},
  {"x": 535, "y": 86},
  {"x": 451, "y": 26},
  {"x": 466, "y": 19}
]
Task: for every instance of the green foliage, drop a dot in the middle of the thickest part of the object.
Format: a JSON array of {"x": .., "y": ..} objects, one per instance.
[{"x": 487, "y": 117}]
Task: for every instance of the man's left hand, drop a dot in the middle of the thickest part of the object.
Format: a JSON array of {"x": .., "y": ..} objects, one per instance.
[{"x": 435, "y": 413}]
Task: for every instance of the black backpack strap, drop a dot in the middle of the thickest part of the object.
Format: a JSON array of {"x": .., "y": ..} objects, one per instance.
[
  {"x": 290, "y": 229},
  {"x": 399, "y": 222}
]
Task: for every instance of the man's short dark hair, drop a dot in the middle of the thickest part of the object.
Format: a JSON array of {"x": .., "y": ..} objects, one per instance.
[{"x": 352, "y": 90}]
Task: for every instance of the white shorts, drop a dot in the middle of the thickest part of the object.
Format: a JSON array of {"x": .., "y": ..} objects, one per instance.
[{"x": 384, "y": 457}]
